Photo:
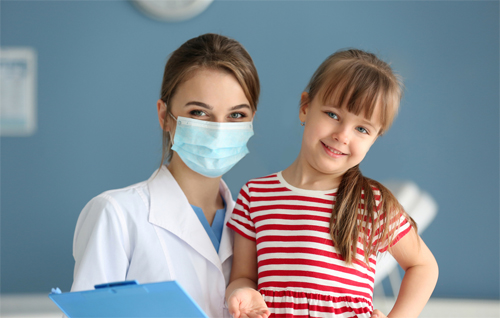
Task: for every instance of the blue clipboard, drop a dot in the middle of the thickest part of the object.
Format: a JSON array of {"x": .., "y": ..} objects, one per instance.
[{"x": 129, "y": 299}]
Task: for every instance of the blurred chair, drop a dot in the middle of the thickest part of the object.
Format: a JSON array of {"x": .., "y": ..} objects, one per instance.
[{"x": 423, "y": 209}]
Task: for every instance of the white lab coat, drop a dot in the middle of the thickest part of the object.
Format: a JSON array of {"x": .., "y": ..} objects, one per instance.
[{"x": 150, "y": 233}]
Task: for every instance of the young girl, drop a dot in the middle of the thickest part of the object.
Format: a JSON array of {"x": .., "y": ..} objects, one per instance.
[
  {"x": 172, "y": 226},
  {"x": 308, "y": 236}
]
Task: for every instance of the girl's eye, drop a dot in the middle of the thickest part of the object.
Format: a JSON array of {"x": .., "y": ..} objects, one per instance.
[
  {"x": 237, "y": 116},
  {"x": 362, "y": 130},
  {"x": 332, "y": 115},
  {"x": 199, "y": 113}
]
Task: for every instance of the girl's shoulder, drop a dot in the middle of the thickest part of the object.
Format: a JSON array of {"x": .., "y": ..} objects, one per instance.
[
  {"x": 375, "y": 190},
  {"x": 275, "y": 185},
  {"x": 262, "y": 184},
  {"x": 380, "y": 192},
  {"x": 268, "y": 178}
]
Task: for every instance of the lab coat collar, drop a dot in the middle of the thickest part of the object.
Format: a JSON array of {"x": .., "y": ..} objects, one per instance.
[
  {"x": 171, "y": 211},
  {"x": 227, "y": 239}
]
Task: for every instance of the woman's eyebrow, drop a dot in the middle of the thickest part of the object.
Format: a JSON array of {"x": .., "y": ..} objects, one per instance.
[
  {"x": 203, "y": 105},
  {"x": 240, "y": 107},
  {"x": 200, "y": 104}
]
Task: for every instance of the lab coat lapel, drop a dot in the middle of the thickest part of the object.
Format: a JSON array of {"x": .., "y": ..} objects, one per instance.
[
  {"x": 227, "y": 239},
  {"x": 171, "y": 211}
]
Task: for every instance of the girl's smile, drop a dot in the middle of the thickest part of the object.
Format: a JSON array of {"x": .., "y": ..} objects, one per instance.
[{"x": 332, "y": 151}]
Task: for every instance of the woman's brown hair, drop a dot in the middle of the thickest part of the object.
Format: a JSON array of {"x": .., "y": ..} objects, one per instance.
[
  {"x": 208, "y": 51},
  {"x": 360, "y": 82}
]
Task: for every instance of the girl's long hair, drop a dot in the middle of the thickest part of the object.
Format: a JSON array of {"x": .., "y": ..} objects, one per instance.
[
  {"x": 360, "y": 82},
  {"x": 357, "y": 218}
]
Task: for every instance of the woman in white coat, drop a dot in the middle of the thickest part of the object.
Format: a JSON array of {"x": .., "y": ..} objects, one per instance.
[{"x": 173, "y": 225}]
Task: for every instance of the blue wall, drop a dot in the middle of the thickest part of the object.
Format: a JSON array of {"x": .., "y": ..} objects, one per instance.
[{"x": 100, "y": 67}]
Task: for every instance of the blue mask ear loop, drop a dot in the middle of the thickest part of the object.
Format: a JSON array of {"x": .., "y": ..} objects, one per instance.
[{"x": 170, "y": 133}]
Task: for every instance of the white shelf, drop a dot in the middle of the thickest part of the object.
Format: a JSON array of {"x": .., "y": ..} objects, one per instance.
[{"x": 449, "y": 308}]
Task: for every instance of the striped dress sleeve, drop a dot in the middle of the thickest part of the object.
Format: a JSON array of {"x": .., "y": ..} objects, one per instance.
[
  {"x": 398, "y": 228},
  {"x": 240, "y": 220}
]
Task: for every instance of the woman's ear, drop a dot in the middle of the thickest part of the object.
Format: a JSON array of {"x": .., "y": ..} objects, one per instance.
[
  {"x": 162, "y": 113},
  {"x": 304, "y": 106},
  {"x": 253, "y": 115}
]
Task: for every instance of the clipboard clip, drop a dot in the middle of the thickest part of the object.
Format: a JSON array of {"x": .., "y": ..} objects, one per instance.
[
  {"x": 101, "y": 286},
  {"x": 55, "y": 291},
  {"x": 116, "y": 284}
]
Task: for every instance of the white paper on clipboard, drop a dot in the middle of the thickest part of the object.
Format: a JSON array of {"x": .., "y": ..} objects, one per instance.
[{"x": 17, "y": 91}]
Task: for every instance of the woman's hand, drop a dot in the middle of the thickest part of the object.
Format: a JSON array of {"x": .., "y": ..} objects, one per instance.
[
  {"x": 378, "y": 314},
  {"x": 247, "y": 303}
]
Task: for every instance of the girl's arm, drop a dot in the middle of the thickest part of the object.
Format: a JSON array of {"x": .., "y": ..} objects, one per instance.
[
  {"x": 421, "y": 273},
  {"x": 242, "y": 296}
]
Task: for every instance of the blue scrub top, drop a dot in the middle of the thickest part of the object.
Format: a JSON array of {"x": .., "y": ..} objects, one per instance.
[{"x": 214, "y": 231}]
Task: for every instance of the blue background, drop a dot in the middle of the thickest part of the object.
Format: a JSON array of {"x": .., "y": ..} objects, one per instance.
[{"x": 100, "y": 66}]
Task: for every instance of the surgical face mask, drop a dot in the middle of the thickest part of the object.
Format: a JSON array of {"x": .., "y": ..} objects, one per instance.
[{"x": 209, "y": 148}]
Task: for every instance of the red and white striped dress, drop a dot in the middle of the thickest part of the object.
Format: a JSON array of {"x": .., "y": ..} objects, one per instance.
[{"x": 300, "y": 273}]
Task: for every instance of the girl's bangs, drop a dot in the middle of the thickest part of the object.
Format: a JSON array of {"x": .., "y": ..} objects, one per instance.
[{"x": 360, "y": 89}]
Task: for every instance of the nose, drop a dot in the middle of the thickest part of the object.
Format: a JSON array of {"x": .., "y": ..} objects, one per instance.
[
  {"x": 219, "y": 118},
  {"x": 341, "y": 135}
]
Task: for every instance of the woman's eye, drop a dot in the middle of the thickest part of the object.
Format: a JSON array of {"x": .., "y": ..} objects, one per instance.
[
  {"x": 332, "y": 115},
  {"x": 362, "y": 130},
  {"x": 237, "y": 116},
  {"x": 198, "y": 113}
]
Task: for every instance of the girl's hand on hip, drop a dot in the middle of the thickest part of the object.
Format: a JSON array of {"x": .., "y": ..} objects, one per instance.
[
  {"x": 378, "y": 314},
  {"x": 247, "y": 303}
]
